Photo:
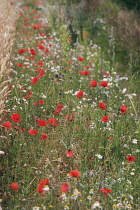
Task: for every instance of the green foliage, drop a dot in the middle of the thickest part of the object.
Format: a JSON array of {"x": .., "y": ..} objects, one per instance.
[
  {"x": 65, "y": 41},
  {"x": 130, "y": 4}
]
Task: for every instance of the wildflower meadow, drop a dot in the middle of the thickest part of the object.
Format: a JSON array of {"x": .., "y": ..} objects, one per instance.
[{"x": 71, "y": 128}]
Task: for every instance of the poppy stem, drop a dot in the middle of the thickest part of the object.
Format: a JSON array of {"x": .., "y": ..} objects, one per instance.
[
  {"x": 31, "y": 181},
  {"x": 30, "y": 194}
]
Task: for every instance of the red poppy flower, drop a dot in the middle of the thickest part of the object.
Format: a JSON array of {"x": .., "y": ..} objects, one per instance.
[
  {"x": 44, "y": 136},
  {"x": 69, "y": 153},
  {"x": 44, "y": 182},
  {"x": 70, "y": 118},
  {"x": 29, "y": 95},
  {"x": 42, "y": 123},
  {"x": 22, "y": 130},
  {"x": 109, "y": 137},
  {"x": 26, "y": 8},
  {"x": 84, "y": 72},
  {"x": 93, "y": 83},
  {"x": 80, "y": 94},
  {"x": 41, "y": 47},
  {"x": 36, "y": 27},
  {"x": 105, "y": 118},
  {"x": 75, "y": 173},
  {"x": 43, "y": 42},
  {"x": 42, "y": 34},
  {"x": 11, "y": 3},
  {"x": 14, "y": 186},
  {"x": 40, "y": 189},
  {"x": 34, "y": 11},
  {"x": 57, "y": 111},
  {"x": 105, "y": 191},
  {"x": 65, "y": 188},
  {"x": 72, "y": 115},
  {"x": 41, "y": 63},
  {"x": 29, "y": 58},
  {"x": 41, "y": 102},
  {"x": 130, "y": 158},
  {"x": 88, "y": 124},
  {"x": 32, "y": 51},
  {"x": 34, "y": 80},
  {"x": 77, "y": 128},
  {"x": 104, "y": 84},
  {"x": 7, "y": 124},
  {"x": 17, "y": 127},
  {"x": 60, "y": 106},
  {"x": 41, "y": 186},
  {"x": 26, "y": 19},
  {"x": 46, "y": 50},
  {"x": 42, "y": 73},
  {"x": 87, "y": 34},
  {"x": 50, "y": 45},
  {"x": 80, "y": 58},
  {"x": 38, "y": 70},
  {"x": 35, "y": 104},
  {"x": 67, "y": 117},
  {"x": 80, "y": 72},
  {"x": 32, "y": 132},
  {"x": 21, "y": 51},
  {"x": 107, "y": 74},
  {"x": 26, "y": 49},
  {"x": 123, "y": 109},
  {"x": 20, "y": 64},
  {"x": 52, "y": 121},
  {"x": 69, "y": 61},
  {"x": 102, "y": 105},
  {"x": 69, "y": 39},
  {"x": 16, "y": 118}
]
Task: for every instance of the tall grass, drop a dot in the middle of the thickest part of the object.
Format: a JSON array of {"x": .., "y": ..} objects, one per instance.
[
  {"x": 56, "y": 123},
  {"x": 8, "y": 18}
]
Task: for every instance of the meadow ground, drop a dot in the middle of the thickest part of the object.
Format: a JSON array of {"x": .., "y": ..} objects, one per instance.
[{"x": 70, "y": 135}]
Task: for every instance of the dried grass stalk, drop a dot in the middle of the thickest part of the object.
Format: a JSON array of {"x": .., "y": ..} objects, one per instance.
[{"x": 8, "y": 17}]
